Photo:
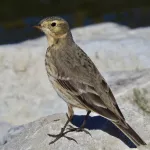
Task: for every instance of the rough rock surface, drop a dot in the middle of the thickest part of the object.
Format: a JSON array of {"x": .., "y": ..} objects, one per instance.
[{"x": 33, "y": 136}]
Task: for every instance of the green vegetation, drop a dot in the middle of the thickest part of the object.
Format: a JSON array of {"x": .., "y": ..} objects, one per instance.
[{"x": 141, "y": 98}]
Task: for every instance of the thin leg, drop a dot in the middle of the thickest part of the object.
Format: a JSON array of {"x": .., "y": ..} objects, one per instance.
[
  {"x": 81, "y": 128},
  {"x": 85, "y": 119},
  {"x": 61, "y": 134}
]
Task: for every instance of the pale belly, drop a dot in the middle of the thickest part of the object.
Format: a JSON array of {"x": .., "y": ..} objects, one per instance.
[{"x": 65, "y": 95}]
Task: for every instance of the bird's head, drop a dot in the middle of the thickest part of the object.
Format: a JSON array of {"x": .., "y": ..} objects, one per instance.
[{"x": 55, "y": 27}]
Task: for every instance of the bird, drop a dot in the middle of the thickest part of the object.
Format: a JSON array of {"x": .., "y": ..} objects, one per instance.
[{"x": 77, "y": 80}]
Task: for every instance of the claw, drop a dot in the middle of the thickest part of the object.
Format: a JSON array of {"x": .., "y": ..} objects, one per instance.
[
  {"x": 58, "y": 136},
  {"x": 53, "y": 135},
  {"x": 55, "y": 140},
  {"x": 71, "y": 139},
  {"x": 71, "y": 129},
  {"x": 85, "y": 132}
]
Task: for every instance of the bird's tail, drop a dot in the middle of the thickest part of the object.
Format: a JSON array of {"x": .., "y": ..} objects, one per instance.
[{"x": 130, "y": 133}]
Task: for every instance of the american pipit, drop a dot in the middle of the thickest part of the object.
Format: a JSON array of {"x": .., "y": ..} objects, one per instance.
[{"x": 77, "y": 80}]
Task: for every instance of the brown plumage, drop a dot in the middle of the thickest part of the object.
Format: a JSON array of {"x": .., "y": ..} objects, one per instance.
[{"x": 77, "y": 80}]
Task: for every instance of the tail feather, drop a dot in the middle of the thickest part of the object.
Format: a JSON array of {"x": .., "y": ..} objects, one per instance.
[{"x": 130, "y": 133}]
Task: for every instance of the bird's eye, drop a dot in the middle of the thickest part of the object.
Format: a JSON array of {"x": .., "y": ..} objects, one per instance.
[{"x": 53, "y": 24}]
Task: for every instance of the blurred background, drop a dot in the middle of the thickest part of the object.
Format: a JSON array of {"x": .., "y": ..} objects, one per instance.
[
  {"x": 18, "y": 17},
  {"x": 114, "y": 33}
]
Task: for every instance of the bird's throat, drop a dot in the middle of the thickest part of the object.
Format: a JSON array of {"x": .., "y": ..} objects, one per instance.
[
  {"x": 59, "y": 41},
  {"x": 51, "y": 40}
]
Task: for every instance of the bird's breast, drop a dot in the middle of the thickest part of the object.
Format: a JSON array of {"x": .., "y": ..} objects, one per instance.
[
  {"x": 65, "y": 95},
  {"x": 50, "y": 64}
]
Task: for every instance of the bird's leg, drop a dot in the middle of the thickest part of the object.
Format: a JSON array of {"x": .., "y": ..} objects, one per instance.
[
  {"x": 71, "y": 129},
  {"x": 81, "y": 128},
  {"x": 62, "y": 133},
  {"x": 85, "y": 119}
]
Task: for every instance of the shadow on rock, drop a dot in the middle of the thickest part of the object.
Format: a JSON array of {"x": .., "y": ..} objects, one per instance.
[{"x": 100, "y": 123}]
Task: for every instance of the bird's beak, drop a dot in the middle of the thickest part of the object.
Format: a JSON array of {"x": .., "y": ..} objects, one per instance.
[{"x": 37, "y": 26}]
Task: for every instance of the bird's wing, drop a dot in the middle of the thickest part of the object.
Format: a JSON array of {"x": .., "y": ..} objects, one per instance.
[
  {"x": 79, "y": 74},
  {"x": 87, "y": 96}
]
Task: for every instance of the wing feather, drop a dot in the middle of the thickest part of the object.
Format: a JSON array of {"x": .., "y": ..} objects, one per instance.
[
  {"x": 80, "y": 77},
  {"x": 88, "y": 96}
]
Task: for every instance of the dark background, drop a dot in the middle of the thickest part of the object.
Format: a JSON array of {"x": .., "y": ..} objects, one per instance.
[{"x": 18, "y": 17}]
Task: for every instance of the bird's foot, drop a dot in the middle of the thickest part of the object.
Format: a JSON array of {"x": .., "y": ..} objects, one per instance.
[
  {"x": 60, "y": 135},
  {"x": 80, "y": 129}
]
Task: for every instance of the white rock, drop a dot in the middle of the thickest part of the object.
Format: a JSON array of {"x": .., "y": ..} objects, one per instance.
[
  {"x": 33, "y": 136},
  {"x": 4, "y": 127}
]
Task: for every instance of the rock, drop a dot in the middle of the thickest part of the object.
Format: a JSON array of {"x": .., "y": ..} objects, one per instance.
[
  {"x": 33, "y": 136},
  {"x": 4, "y": 127}
]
